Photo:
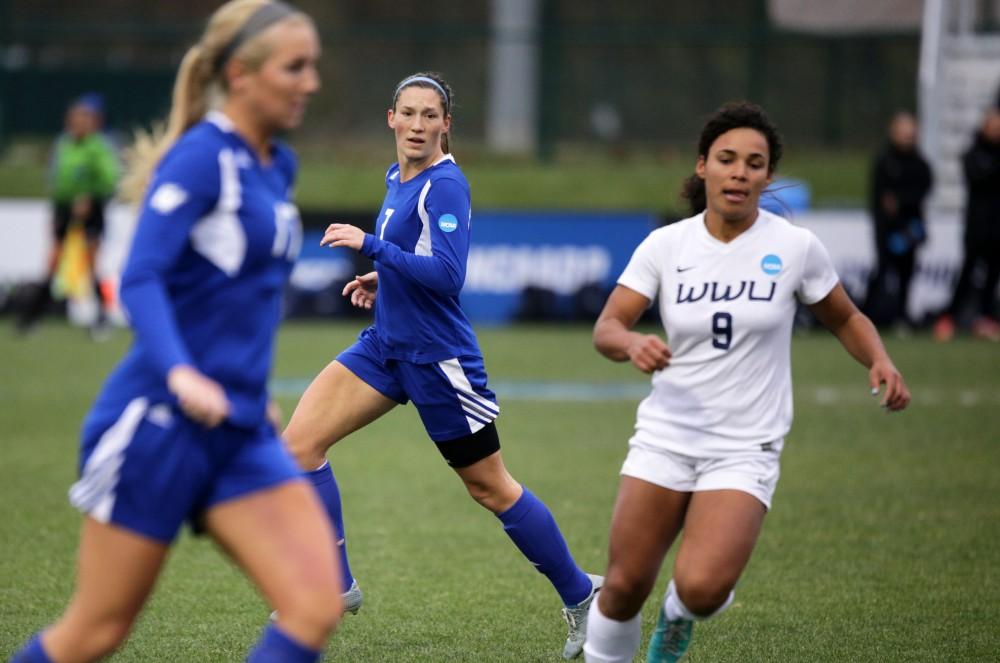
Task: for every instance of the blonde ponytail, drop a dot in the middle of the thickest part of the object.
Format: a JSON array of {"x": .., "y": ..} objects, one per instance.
[
  {"x": 189, "y": 104},
  {"x": 199, "y": 86}
]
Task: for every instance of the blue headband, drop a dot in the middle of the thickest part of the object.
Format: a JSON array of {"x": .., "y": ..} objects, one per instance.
[
  {"x": 423, "y": 79},
  {"x": 92, "y": 101},
  {"x": 264, "y": 17}
]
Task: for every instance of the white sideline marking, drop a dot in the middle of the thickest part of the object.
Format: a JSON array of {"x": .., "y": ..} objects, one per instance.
[{"x": 588, "y": 392}]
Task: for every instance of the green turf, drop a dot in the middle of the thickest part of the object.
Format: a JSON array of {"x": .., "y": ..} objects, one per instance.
[
  {"x": 884, "y": 543},
  {"x": 354, "y": 180}
]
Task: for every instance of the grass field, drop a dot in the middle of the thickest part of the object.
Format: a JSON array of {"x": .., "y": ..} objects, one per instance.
[
  {"x": 884, "y": 543},
  {"x": 353, "y": 179}
]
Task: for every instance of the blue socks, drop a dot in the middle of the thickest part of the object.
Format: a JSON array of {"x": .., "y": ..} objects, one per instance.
[
  {"x": 528, "y": 523},
  {"x": 531, "y": 527},
  {"x": 273, "y": 647},
  {"x": 329, "y": 494},
  {"x": 32, "y": 652},
  {"x": 276, "y": 647}
]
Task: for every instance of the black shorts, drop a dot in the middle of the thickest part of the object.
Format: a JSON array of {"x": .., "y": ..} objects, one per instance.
[{"x": 93, "y": 224}]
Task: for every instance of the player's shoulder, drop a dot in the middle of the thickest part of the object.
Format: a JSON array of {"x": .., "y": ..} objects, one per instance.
[
  {"x": 192, "y": 164},
  {"x": 102, "y": 142},
  {"x": 447, "y": 170},
  {"x": 672, "y": 232},
  {"x": 285, "y": 159},
  {"x": 781, "y": 228},
  {"x": 202, "y": 141},
  {"x": 392, "y": 174}
]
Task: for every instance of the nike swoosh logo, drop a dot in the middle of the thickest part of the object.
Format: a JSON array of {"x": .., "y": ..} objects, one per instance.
[{"x": 684, "y": 269}]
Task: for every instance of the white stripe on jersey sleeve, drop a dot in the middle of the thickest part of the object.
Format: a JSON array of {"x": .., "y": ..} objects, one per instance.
[
  {"x": 219, "y": 236},
  {"x": 423, "y": 247}
]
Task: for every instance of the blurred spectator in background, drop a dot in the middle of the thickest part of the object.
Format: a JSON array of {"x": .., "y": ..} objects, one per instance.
[
  {"x": 82, "y": 177},
  {"x": 900, "y": 182},
  {"x": 982, "y": 234}
]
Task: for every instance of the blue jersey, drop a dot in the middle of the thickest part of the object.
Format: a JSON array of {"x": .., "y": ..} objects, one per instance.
[
  {"x": 420, "y": 249},
  {"x": 203, "y": 284}
]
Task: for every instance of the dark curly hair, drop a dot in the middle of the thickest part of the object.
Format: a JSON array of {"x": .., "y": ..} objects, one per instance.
[{"x": 733, "y": 115}]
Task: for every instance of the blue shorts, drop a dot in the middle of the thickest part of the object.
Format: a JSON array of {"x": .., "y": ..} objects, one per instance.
[
  {"x": 152, "y": 468},
  {"x": 451, "y": 395}
]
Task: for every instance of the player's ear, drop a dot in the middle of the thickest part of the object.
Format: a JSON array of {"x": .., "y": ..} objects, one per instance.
[
  {"x": 235, "y": 73},
  {"x": 390, "y": 119},
  {"x": 699, "y": 166}
]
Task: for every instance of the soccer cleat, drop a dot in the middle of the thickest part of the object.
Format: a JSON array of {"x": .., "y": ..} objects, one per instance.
[
  {"x": 100, "y": 332},
  {"x": 576, "y": 618},
  {"x": 986, "y": 328},
  {"x": 670, "y": 639},
  {"x": 944, "y": 329},
  {"x": 353, "y": 598}
]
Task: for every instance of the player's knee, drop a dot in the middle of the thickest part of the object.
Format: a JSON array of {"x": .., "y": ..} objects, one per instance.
[
  {"x": 497, "y": 493},
  {"x": 489, "y": 495},
  {"x": 312, "y": 610},
  {"x": 624, "y": 592},
  {"x": 308, "y": 450},
  {"x": 704, "y": 595}
]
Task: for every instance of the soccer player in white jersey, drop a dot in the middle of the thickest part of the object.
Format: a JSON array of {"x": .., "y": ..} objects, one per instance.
[
  {"x": 180, "y": 431},
  {"x": 704, "y": 456},
  {"x": 422, "y": 348}
]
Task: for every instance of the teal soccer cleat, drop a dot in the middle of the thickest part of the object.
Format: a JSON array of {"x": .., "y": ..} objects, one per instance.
[{"x": 670, "y": 639}]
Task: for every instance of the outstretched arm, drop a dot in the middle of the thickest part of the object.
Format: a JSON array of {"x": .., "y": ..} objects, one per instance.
[
  {"x": 440, "y": 264},
  {"x": 860, "y": 338},
  {"x": 614, "y": 338},
  {"x": 434, "y": 271}
]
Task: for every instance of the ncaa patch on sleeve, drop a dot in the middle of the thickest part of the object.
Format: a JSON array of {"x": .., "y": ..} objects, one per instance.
[
  {"x": 167, "y": 197},
  {"x": 447, "y": 223}
]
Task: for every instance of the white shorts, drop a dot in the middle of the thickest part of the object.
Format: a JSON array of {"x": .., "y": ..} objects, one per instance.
[{"x": 753, "y": 472}]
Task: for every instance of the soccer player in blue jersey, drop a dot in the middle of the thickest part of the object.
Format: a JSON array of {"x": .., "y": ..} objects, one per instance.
[
  {"x": 705, "y": 454},
  {"x": 422, "y": 348},
  {"x": 180, "y": 431}
]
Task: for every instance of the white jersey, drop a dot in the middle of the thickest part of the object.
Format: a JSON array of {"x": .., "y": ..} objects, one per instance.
[{"x": 727, "y": 309}]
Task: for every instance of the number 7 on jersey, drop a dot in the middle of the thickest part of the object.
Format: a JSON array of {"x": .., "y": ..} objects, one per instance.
[{"x": 388, "y": 213}]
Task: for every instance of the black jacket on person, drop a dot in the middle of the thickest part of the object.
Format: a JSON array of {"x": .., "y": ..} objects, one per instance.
[
  {"x": 906, "y": 175},
  {"x": 981, "y": 165}
]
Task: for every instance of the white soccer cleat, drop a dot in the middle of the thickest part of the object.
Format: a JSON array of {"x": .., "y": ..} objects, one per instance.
[
  {"x": 576, "y": 618},
  {"x": 353, "y": 598}
]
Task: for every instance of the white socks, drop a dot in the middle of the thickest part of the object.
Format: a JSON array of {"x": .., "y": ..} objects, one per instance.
[
  {"x": 675, "y": 608},
  {"x": 611, "y": 641}
]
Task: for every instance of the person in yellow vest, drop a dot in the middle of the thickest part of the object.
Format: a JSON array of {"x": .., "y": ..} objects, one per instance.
[{"x": 83, "y": 175}]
